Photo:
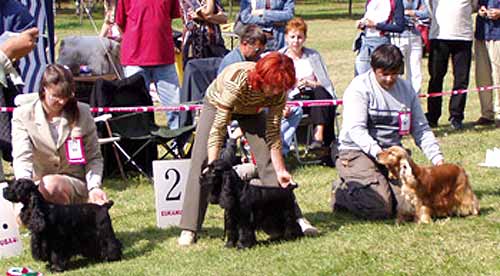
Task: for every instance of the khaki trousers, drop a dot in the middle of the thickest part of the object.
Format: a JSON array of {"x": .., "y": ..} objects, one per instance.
[
  {"x": 195, "y": 199},
  {"x": 487, "y": 53}
]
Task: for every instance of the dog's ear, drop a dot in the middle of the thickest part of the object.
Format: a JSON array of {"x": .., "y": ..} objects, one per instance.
[
  {"x": 382, "y": 157},
  {"x": 37, "y": 221},
  {"x": 405, "y": 170},
  {"x": 108, "y": 204}
]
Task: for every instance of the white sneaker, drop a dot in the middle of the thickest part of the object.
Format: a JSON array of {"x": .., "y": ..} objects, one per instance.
[
  {"x": 186, "y": 238},
  {"x": 307, "y": 228}
]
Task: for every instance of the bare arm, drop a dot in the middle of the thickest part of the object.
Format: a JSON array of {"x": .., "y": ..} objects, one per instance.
[
  {"x": 208, "y": 9},
  {"x": 218, "y": 18},
  {"x": 19, "y": 46},
  {"x": 284, "y": 177}
]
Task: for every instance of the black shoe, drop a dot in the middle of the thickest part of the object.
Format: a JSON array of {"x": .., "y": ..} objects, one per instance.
[
  {"x": 484, "y": 122},
  {"x": 456, "y": 124},
  {"x": 432, "y": 124},
  {"x": 316, "y": 145}
]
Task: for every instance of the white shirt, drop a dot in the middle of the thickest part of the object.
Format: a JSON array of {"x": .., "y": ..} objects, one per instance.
[
  {"x": 451, "y": 19},
  {"x": 303, "y": 69},
  {"x": 377, "y": 11}
]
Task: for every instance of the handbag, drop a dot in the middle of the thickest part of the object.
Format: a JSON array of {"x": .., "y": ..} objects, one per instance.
[
  {"x": 423, "y": 28},
  {"x": 356, "y": 45}
]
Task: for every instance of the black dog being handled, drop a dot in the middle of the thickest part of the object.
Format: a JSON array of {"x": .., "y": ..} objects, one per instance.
[
  {"x": 249, "y": 207},
  {"x": 59, "y": 232}
]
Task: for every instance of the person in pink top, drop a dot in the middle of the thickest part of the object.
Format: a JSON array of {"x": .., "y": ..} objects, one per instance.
[{"x": 148, "y": 47}]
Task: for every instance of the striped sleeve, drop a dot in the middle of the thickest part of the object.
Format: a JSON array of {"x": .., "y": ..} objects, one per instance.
[{"x": 232, "y": 90}]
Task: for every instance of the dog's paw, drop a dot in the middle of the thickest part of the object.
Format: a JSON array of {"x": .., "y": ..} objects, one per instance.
[
  {"x": 230, "y": 244},
  {"x": 425, "y": 220},
  {"x": 56, "y": 268},
  {"x": 247, "y": 243}
]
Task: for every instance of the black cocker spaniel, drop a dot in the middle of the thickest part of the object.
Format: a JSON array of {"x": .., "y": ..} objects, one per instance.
[
  {"x": 59, "y": 232},
  {"x": 250, "y": 207}
]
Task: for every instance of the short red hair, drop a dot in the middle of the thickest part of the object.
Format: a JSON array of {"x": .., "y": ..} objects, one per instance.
[
  {"x": 296, "y": 24},
  {"x": 274, "y": 69}
]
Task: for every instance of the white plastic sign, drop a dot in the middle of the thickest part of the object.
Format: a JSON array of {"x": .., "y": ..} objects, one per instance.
[
  {"x": 170, "y": 177},
  {"x": 10, "y": 240}
]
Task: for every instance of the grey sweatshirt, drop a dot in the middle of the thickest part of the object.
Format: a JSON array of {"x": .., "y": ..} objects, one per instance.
[{"x": 371, "y": 118}]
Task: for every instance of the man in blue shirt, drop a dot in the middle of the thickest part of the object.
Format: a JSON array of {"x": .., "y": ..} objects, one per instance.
[{"x": 252, "y": 44}]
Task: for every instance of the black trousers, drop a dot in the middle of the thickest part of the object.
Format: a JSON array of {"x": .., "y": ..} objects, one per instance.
[
  {"x": 461, "y": 55},
  {"x": 322, "y": 115}
]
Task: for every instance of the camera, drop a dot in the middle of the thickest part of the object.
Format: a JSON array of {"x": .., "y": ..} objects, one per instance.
[{"x": 306, "y": 92}]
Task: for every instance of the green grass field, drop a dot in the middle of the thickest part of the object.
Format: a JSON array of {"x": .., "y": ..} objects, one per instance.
[{"x": 346, "y": 246}]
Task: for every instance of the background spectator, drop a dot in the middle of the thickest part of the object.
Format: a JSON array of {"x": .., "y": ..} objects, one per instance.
[
  {"x": 451, "y": 35},
  {"x": 202, "y": 36},
  {"x": 487, "y": 50},
  {"x": 11, "y": 50},
  {"x": 14, "y": 17},
  {"x": 312, "y": 81},
  {"x": 252, "y": 44},
  {"x": 108, "y": 28},
  {"x": 410, "y": 41},
  {"x": 380, "y": 18},
  {"x": 271, "y": 16},
  {"x": 148, "y": 47}
]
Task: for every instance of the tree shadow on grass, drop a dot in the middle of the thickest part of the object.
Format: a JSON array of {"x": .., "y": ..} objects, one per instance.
[
  {"x": 491, "y": 192},
  {"x": 484, "y": 211},
  {"x": 332, "y": 221},
  {"x": 149, "y": 238},
  {"x": 469, "y": 126}
]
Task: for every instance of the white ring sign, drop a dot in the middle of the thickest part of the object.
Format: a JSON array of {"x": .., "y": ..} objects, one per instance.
[{"x": 170, "y": 177}]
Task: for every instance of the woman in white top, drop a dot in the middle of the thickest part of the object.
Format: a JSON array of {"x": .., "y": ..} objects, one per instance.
[{"x": 313, "y": 81}]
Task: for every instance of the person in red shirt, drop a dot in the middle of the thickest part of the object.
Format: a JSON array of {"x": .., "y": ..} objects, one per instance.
[{"x": 148, "y": 47}]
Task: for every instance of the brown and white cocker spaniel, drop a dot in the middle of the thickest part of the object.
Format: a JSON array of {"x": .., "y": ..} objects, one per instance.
[{"x": 436, "y": 191}]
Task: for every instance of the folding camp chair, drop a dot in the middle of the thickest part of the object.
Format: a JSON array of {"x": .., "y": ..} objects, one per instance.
[
  {"x": 307, "y": 125},
  {"x": 138, "y": 133}
]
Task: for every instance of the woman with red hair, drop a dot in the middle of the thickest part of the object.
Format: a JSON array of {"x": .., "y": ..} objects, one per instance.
[
  {"x": 313, "y": 83},
  {"x": 240, "y": 92}
]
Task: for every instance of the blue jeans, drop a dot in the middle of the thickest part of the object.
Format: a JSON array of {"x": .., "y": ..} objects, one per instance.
[
  {"x": 289, "y": 127},
  {"x": 368, "y": 45},
  {"x": 167, "y": 85}
]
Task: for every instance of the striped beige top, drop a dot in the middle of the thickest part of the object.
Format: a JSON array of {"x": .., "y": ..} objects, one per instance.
[{"x": 231, "y": 94}]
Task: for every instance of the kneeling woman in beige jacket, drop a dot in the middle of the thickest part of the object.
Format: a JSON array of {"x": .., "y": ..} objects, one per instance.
[{"x": 54, "y": 143}]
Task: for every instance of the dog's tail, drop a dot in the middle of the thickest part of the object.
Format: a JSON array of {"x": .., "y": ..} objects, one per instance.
[{"x": 108, "y": 204}]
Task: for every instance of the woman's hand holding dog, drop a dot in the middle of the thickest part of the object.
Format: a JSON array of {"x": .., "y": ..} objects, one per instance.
[
  {"x": 284, "y": 178},
  {"x": 97, "y": 196}
]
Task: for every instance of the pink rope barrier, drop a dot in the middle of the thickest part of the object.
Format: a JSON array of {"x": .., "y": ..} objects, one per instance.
[{"x": 305, "y": 103}]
